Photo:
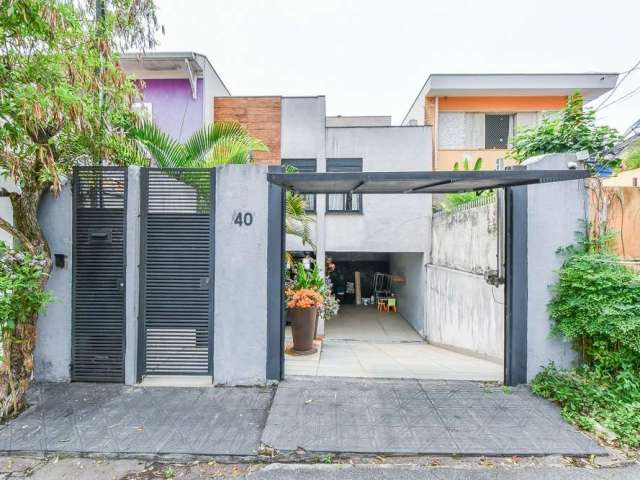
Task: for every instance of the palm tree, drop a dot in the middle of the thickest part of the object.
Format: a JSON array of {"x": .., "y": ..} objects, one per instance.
[{"x": 221, "y": 143}]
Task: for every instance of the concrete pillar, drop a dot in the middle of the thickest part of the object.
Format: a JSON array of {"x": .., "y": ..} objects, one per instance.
[
  {"x": 321, "y": 205},
  {"x": 53, "y": 335},
  {"x": 241, "y": 275},
  {"x": 555, "y": 212},
  {"x": 132, "y": 275}
]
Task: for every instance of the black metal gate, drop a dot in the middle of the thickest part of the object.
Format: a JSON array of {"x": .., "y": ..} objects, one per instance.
[
  {"x": 176, "y": 285},
  {"x": 99, "y": 226}
]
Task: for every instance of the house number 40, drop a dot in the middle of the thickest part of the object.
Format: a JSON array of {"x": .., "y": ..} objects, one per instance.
[{"x": 243, "y": 219}]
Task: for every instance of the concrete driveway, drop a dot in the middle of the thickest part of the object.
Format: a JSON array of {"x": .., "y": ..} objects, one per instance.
[
  {"x": 417, "y": 417},
  {"x": 362, "y": 342}
]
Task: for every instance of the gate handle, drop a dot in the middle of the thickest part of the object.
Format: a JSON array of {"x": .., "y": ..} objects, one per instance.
[{"x": 204, "y": 283}]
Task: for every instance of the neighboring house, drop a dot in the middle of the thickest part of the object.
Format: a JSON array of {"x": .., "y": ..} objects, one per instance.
[
  {"x": 628, "y": 178},
  {"x": 385, "y": 233},
  {"x": 178, "y": 89},
  {"x": 475, "y": 115}
]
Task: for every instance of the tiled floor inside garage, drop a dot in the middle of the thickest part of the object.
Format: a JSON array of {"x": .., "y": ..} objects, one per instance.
[{"x": 362, "y": 342}]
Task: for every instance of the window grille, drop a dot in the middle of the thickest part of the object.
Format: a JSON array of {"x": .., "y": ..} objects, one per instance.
[
  {"x": 496, "y": 131},
  {"x": 344, "y": 202},
  {"x": 305, "y": 165}
]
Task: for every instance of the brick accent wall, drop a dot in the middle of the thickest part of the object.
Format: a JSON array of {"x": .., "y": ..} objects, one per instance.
[
  {"x": 261, "y": 116},
  {"x": 430, "y": 111}
]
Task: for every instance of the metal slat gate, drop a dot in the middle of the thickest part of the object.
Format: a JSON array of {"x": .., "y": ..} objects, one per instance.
[
  {"x": 176, "y": 304},
  {"x": 99, "y": 225}
]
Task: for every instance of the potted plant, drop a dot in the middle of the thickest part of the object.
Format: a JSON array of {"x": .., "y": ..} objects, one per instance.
[{"x": 303, "y": 306}]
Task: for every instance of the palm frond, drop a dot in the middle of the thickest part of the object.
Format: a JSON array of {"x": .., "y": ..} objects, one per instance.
[
  {"x": 298, "y": 221},
  {"x": 157, "y": 145},
  {"x": 220, "y": 143}
]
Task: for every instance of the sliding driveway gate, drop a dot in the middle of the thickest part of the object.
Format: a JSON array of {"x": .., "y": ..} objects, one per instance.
[
  {"x": 176, "y": 272},
  {"x": 98, "y": 321}
]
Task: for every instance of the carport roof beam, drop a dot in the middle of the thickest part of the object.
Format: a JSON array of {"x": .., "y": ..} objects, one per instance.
[{"x": 419, "y": 182}]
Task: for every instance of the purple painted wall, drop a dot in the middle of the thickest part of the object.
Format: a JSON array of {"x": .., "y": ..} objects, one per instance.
[{"x": 174, "y": 109}]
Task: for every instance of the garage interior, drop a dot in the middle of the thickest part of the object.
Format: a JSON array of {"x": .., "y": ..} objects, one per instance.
[{"x": 362, "y": 341}]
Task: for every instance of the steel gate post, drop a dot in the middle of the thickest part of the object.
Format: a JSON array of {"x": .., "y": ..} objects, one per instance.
[{"x": 516, "y": 272}]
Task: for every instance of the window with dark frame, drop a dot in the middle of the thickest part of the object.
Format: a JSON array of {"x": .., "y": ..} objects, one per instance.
[
  {"x": 344, "y": 202},
  {"x": 304, "y": 165},
  {"x": 496, "y": 131}
]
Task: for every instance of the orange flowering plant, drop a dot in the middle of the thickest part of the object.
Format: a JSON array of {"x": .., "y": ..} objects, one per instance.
[{"x": 303, "y": 298}]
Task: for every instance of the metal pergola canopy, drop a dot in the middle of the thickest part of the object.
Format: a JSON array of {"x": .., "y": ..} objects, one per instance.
[{"x": 419, "y": 182}]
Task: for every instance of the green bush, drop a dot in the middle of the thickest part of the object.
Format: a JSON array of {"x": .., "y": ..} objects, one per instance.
[
  {"x": 631, "y": 157},
  {"x": 574, "y": 131},
  {"x": 596, "y": 305},
  {"x": 21, "y": 296},
  {"x": 454, "y": 200}
]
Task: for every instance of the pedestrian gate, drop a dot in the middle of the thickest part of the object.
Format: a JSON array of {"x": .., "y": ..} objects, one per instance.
[
  {"x": 98, "y": 323},
  {"x": 176, "y": 272}
]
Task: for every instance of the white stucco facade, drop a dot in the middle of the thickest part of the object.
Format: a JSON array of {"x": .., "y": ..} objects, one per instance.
[
  {"x": 387, "y": 223},
  {"x": 395, "y": 224}
]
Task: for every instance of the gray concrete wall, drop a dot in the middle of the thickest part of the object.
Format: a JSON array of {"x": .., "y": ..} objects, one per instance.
[
  {"x": 359, "y": 121},
  {"x": 466, "y": 239},
  {"x": 555, "y": 213},
  {"x": 463, "y": 311},
  {"x": 241, "y": 302},
  {"x": 132, "y": 275},
  {"x": 389, "y": 223},
  {"x": 411, "y": 294},
  {"x": 53, "y": 335}
]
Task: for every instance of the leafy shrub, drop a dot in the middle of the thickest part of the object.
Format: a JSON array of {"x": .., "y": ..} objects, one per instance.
[
  {"x": 21, "y": 296},
  {"x": 304, "y": 279},
  {"x": 574, "y": 131},
  {"x": 631, "y": 158},
  {"x": 596, "y": 305},
  {"x": 453, "y": 200}
]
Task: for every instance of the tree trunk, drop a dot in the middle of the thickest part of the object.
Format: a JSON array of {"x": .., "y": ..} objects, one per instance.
[{"x": 16, "y": 370}]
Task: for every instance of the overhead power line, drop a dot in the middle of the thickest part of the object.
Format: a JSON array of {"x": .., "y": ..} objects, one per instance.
[
  {"x": 624, "y": 77},
  {"x": 623, "y": 98}
]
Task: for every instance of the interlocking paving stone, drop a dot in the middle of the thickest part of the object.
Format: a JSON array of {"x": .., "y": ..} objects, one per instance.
[
  {"x": 409, "y": 416},
  {"x": 112, "y": 419}
]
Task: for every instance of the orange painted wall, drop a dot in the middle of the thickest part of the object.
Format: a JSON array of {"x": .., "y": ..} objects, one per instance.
[
  {"x": 500, "y": 104},
  {"x": 261, "y": 116}
]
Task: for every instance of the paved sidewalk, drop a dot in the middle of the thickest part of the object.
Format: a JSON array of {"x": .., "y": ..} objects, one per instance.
[
  {"x": 115, "y": 419},
  {"x": 315, "y": 414},
  {"x": 417, "y": 417}
]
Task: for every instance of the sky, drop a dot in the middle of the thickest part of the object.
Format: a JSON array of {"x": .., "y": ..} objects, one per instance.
[{"x": 371, "y": 57}]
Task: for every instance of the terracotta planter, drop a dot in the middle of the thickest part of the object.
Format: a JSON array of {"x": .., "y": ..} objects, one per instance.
[{"x": 303, "y": 324}]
